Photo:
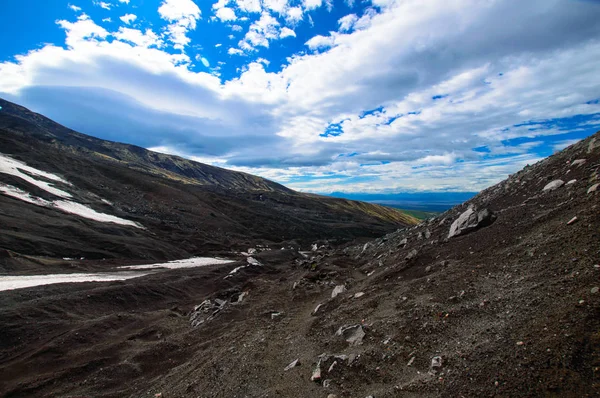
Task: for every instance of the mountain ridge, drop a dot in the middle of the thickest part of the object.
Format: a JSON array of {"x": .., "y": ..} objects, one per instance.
[{"x": 185, "y": 207}]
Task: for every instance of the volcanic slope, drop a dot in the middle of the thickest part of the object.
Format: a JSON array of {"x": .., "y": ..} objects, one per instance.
[
  {"x": 508, "y": 306},
  {"x": 65, "y": 194}
]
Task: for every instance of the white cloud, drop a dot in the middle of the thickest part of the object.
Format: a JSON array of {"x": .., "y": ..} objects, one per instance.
[
  {"x": 218, "y": 45},
  {"x": 286, "y": 32},
  {"x": 226, "y": 14},
  {"x": 223, "y": 12},
  {"x": 128, "y": 18},
  {"x": 311, "y": 4},
  {"x": 236, "y": 28},
  {"x": 102, "y": 4},
  {"x": 124, "y": 1},
  {"x": 249, "y": 5},
  {"x": 320, "y": 42},
  {"x": 74, "y": 8},
  {"x": 183, "y": 15},
  {"x": 346, "y": 23},
  {"x": 235, "y": 51},
  {"x": 106, "y": 19},
  {"x": 278, "y": 6},
  {"x": 260, "y": 32},
  {"x": 137, "y": 37},
  {"x": 294, "y": 15}
]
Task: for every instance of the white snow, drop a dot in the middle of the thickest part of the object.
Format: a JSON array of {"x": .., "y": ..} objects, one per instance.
[
  {"x": 19, "y": 169},
  {"x": 17, "y": 193},
  {"x": 133, "y": 271},
  {"x": 88, "y": 212},
  {"x": 185, "y": 263},
  {"x": 65, "y": 205},
  {"x": 20, "y": 282}
]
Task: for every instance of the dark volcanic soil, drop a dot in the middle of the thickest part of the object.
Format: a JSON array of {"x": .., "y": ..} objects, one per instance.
[{"x": 511, "y": 310}]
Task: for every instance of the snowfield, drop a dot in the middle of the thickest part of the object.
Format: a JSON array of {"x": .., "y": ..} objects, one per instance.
[
  {"x": 20, "y": 282},
  {"x": 19, "y": 169},
  {"x": 128, "y": 272},
  {"x": 186, "y": 263}
]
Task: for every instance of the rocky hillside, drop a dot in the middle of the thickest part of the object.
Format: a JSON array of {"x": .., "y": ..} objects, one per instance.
[
  {"x": 497, "y": 297},
  {"x": 65, "y": 194}
]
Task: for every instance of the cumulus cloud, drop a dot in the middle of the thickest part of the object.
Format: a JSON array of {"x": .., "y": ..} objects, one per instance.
[
  {"x": 286, "y": 32},
  {"x": 128, "y": 18},
  {"x": 390, "y": 104},
  {"x": 249, "y": 5},
  {"x": 182, "y": 15},
  {"x": 139, "y": 38},
  {"x": 346, "y": 23},
  {"x": 260, "y": 32},
  {"x": 311, "y": 4},
  {"x": 294, "y": 15},
  {"x": 74, "y": 8},
  {"x": 102, "y": 4},
  {"x": 320, "y": 42}
]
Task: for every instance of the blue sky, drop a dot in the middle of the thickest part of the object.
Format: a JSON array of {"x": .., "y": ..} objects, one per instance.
[{"x": 378, "y": 96}]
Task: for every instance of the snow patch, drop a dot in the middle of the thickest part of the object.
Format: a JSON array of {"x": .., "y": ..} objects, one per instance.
[
  {"x": 19, "y": 169},
  {"x": 20, "y": 282},
  {"x": 65, "y": 206},
  {"x": 89, "y": 213},
  {"x": 185, "y": 263}
]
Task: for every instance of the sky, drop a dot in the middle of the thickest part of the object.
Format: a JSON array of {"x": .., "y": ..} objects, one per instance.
[{"x": 350, "y": 96}]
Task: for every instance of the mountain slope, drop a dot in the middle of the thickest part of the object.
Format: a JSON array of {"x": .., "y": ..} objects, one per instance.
[
  {"x": 181, "y": 207},
  {"x": 510, "y": 306}
]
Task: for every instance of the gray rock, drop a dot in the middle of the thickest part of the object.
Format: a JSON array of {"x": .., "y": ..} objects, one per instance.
[
  {"x": 316, "y": 374},
  {"x": 551, "y": 186},
  {"x": 317, "y": 308},
  {"x": 353, "y": 334},
  {"x": 412, "y": 254},
  {"x": 359, "y": 295},
  {"x": 411, "y": 361},
  {"x": 253, "y": 261},
  {"x": 242, "y": 296},
  {"x": 293, "y": 364},
  {"x": 571, "y": 182},
  {"x": 593, "y": 188},
  {"x": 471, "y": 220},
  {"x": 578, "y": 162},
  {"x": 436, "y": 362},
  {"x": 427, "y": 234},
  {"x": 593, "y": 145},
  {"x": 572, "y": 220},
  {"x": 595, "y": 290},
  {"x": 403, "y": 242},
  {"x": 339, "y": 289}
]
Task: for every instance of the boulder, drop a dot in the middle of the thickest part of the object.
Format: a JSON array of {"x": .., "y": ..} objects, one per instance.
[
  {"x": 578, "y": 162},
  {"x": 253, "y": 261},
  {"x": 593, "y": 188},
  {"x": 353, "y": 334},
  {"x": 551, "y": 186},
  {"x": 471, "y": 220},
  {"x": 338, "y": 290}
]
